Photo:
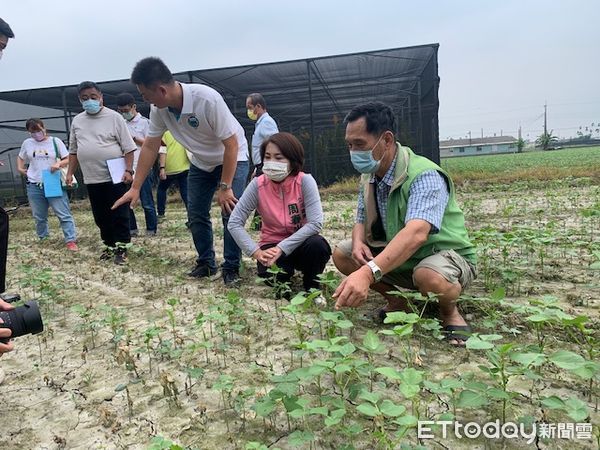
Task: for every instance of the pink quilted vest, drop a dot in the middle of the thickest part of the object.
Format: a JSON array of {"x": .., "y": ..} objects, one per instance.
[{"x": 281, "y": 206}]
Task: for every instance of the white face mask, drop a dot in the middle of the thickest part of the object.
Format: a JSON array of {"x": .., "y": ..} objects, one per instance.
[{"x": 276, "y": 170}]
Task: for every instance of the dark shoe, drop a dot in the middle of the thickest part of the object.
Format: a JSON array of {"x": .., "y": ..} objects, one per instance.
[
  {"x": 133, "y": 233},
  {"x": 230, "y": 277},
  {"x": 106, "y": 254},
  {"x": 202, "y": 271},
  {"x": 150, "y": 233},
  {"x": 120, "y": 259},
  {"x": 459, "y": 333}
]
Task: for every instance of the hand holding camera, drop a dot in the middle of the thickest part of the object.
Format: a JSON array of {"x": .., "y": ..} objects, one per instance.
[
  {"x": 5, "y": 333},
  {"x": 15, "y": 322}
]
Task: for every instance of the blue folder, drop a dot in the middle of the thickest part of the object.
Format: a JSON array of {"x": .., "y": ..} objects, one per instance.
[{"x": 51, "y": 182}]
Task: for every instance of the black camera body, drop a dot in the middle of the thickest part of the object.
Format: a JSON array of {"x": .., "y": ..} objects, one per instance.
[{"x": 24, "y": 319}]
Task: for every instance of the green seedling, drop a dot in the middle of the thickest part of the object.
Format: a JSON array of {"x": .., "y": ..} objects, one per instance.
[
  {"x": 150, "y": 334},
  {"x": 173, "y": 302},
  {"x": 193, "y": 376},
  {"x": 240, "y": 404},
  {"x": 161, "y": 443},
  {"x": 90, "y": 324},
  {"x": 575, "y": 408},
  {"x": 115, "y": 319},
  {"x": 125, "y": 387}
]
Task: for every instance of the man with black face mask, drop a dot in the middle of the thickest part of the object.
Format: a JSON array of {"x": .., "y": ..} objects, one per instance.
[{"x": 409, "y": 230}]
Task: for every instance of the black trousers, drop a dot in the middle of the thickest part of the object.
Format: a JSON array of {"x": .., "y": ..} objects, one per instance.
[
  {"x": 309, "y": 258},
  {"x": 3, "y": 248},
  {"x": 113, "y": 224}
]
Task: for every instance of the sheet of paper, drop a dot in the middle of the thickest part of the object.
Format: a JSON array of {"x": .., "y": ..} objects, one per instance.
[
  {"x": 51, "y": 182},
  {"x": 116, "y": 167}
]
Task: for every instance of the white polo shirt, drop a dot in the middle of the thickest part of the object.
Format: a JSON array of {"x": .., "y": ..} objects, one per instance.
[
  {"x": 138, "y": 128},
  {"x": 205, "y": 121}
]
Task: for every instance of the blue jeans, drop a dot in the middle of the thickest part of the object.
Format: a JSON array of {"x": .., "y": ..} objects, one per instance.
[
  {"x": 147, "y": 201},
  {"x": 39, "y": 209},
  {"x": 201, "y": 189},
  {"x": 163, "y": 187}
]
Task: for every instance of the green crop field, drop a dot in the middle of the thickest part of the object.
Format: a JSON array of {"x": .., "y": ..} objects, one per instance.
[
  {"x": 538, "y": 165},
  {"x": 143, "y": 357}
]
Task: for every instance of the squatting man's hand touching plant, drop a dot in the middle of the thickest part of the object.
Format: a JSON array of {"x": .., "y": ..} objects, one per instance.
[{"x": 409, "y": 230}]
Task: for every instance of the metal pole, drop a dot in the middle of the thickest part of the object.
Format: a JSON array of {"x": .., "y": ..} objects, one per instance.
[
  {"x": 66, "y": 113},
  {"x": 12, "y": 174},
  {"x": 313, "y": 158},
  {"x": 421, "y": 149}
]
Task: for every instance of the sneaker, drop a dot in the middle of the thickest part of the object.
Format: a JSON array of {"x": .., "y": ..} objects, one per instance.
[
  {"x": 202, "y": 271},
  {"x": 150, "y": 233},
  {"x": 106, "y": 254},
  {"x": 230, "y": 277},
  {"x": 72, "y": 246},
  {"x": 133, "y": 233},
  {"x": 120, "y": 259}
]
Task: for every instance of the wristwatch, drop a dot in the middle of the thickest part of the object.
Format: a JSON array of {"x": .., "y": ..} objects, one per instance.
[
  {"x": 129, "y": 171},
  {"x": 224, "y": 186},
  {"x": 377, "y": 275}
]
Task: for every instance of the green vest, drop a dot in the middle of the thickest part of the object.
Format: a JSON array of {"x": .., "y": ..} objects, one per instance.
[{"x": 452, "y": 235}]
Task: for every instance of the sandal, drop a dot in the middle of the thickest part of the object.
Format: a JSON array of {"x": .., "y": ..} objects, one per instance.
[{"x": 459, "y": 333}]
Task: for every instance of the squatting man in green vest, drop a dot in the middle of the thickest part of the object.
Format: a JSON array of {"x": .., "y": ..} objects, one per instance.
[{"x": 409, "y": 230}]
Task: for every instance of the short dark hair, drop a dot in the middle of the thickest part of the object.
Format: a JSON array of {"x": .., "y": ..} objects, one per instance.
[
  {"x": 258, "y": 99},
  {"x": 34, "y": 122},
  {"x": 6, "y": 30},
  {"x": 290, "y": 147},
  {"x": 87, "y": 85},
  {"x": 378, "y": 116},
  {"x": 150, "y": 71},
  {"x": 125, "y": 99}
]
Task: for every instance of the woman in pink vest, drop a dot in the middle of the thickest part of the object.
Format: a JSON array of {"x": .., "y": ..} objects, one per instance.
[{"x": 289, "y": 203}]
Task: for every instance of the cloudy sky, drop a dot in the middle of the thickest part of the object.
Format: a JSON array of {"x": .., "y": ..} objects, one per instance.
[{"x": 499, "y": 61}]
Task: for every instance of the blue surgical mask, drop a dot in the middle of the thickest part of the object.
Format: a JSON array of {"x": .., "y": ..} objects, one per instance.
[
  {"x": 127, "y": 115},
  {"x": 363, "y": 160},
  {"x": 91, "y": 106}
]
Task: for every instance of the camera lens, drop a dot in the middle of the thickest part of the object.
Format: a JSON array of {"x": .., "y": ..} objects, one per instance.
[{"x": 22, "y": 320}]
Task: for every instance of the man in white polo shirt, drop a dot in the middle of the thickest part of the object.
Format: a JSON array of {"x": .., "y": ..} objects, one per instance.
[{"x": 200, "y": 120}]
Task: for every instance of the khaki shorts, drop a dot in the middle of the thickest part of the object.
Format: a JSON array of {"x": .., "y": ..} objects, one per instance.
[{"x": 447, "y": 263}]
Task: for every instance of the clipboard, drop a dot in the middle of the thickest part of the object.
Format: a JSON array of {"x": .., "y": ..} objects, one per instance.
[
  {"x": 116, "y": 167},
  {"x": 51, "y": 183}
]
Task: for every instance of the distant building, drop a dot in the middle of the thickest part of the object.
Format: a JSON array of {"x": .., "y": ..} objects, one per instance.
[{"x": 478, "y": 146}]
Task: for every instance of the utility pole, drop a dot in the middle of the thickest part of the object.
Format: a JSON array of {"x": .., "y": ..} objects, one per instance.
[
  {"x": 545, "y": 118},
  {"x": 469, "y": 138},
  {"x": 482, "y": 133}
]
